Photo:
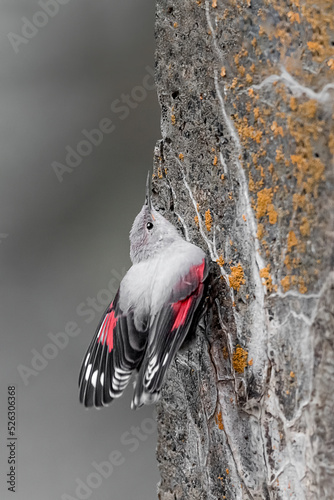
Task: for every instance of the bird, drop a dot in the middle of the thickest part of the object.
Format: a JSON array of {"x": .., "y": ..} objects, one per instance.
[{"x": 158, "y": 303}]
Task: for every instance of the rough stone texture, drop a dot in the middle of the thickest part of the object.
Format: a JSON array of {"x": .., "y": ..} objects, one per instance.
[{"x": 245, "y": 169}]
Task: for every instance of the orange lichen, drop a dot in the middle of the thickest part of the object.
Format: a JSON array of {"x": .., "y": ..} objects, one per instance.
[
  {"x": 299, "y": 200},
  {"x": 227, "y": 471},
  {"x": 215, "y": 160},
  {"x": 264, "y": 199},
  {"x": 256, "y": 112},
  {"x": 173, "y": 119},
  {"x": 267, "y": 280},
  {"x": 304, "y": 227},
  {"x": 285, "y": 282},
  {"x": 292, "y": 374},
  {"x": 251, "y": 184},
  {"x": 279, "y": 154},
  {"x": 244, "y": 217},
  {"x": 287, "y": 262},
  {"x": 234, "y": 83},
  {"x": 237, "y": 277},
  {"x": 297, "y": 173},
  {"x": 273, "y": 215},
  {"x": 219, "y": 421},
  {"x": 308, "y": 109},
  {"x": 331, "y": 143},
  {"x": 302, "y": 287},
  {"x": 294, "y": 17},
  {"x": 250, "y": 362},
  {"x": 242, "y": 70},
  {"x": 249, "y": 78},
  {"x": 175, "y": 25},
  {"x": 276, "y": 129},
  {"x": 208, "y": 220},
  {"x": 181, "y": 156},
  {"x": 226, "y": 14},
  {"x": 247, "y": 131},
  {"x": 214, "y": 4},
  {"x": 196, "y": 220},
  {"x": 260, "y": 231},
  {"x": 220, "y": 261},
  {"x": 239, "y": 360},
  {"x": 222, "y": 177},
  {"x": 309, "y": 173},
  {"x": 293, "y": 104},
  {"x": 292, "y": 240},
  {"x": 223, "y": 71}
]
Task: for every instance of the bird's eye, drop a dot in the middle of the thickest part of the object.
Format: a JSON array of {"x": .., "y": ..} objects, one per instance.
[{"x": 149, "y": 225}]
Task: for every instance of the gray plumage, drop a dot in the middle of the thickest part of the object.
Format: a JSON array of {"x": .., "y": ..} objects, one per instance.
[{"x": 158, "y": 299}]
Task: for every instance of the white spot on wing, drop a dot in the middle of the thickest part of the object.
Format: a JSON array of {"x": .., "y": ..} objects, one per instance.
[
  {"x": 101, "y": 336},
  {"x": 102, "y": 379},
  {"x": 121, "y": 374},
  {"x": 120, "y": 371},
  {"x": 94, "y": 378},
  {"x": 150, "y": 374},
  {"x": 152, "y": 363},
  {"x": 89, "y": 367},
  {"x": 114, "y": 394},
  {"x": 119, "y": 383}
]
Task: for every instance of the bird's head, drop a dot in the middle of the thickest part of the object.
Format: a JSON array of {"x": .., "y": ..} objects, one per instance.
[{"x": 150, "y": 232}]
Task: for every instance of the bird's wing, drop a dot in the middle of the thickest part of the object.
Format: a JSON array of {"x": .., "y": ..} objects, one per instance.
[
  {"x": 168, "y": 329},
  {"x": 115, "y": 351}
]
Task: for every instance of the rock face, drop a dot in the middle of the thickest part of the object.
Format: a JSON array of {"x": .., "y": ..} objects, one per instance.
[{"x": 245, "y": 169}]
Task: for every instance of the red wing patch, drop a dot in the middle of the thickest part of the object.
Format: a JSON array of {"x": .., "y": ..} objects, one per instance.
[
  {"x": 181, "y": 310},
  {"x": 182, "y": 307},
  {"x": 114, "y": 352},
  {"x": 195, "y": 276},
  {"x": 106, "y": 334}
]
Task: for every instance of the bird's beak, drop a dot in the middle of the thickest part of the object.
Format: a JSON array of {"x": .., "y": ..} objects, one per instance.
[
  {"x": 148, "y": 192},
  {"x": 148, "y": 201}
]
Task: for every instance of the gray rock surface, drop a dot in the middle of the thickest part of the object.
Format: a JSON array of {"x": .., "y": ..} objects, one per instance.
[{"x": 245, "y": 169}]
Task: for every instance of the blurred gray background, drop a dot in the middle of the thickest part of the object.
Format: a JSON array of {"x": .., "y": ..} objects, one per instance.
[{"x": 62, "y": 242}]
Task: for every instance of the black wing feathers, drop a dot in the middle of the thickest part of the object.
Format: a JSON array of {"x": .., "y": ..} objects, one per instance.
[
  {"x": 168, "y": 330},
  {"x": 115, "y": 351}
]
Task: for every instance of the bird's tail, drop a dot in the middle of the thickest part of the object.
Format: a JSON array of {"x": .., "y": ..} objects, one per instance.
[{"x": 143, "y": 395}]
